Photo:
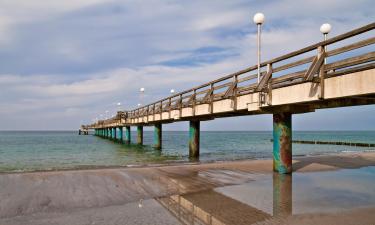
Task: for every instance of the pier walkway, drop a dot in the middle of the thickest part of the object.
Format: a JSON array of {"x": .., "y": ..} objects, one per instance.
[{"x": 334, "y": 73}]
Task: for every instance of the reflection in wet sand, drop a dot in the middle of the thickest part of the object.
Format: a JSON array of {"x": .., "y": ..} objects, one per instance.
[
  {"x": 214, "y": 208},
  {"x": 282, "y": 195},
  {"x": 316, "y": 200}
]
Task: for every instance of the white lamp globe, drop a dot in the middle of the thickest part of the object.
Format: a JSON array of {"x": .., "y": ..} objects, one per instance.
[
  {"x": 139, "y": 104},
  {"x": 118, "y": 103},
  {"x": 142, "y": 89},
  {"x": 259, "y": 18},
  {"x": 172, "y": 91},
  {"x": 325, "y": 28}
]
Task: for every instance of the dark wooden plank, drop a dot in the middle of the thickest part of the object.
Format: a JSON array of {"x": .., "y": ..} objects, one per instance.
[
  {"x": 354, "y": 46},
  {"x": 294, "y": 64},
  {"x": 368, "y": 57},
  {"x": 367, "y": 66},
  {"x": 265, "y": 78},
  {"x": 315, "y": 66}
]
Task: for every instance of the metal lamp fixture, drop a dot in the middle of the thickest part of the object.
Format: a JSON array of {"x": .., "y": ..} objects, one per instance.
[{"x": 325, "y": 29}]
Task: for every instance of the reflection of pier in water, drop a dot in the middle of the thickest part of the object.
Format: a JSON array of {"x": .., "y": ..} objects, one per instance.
[{"x": 214, "y": 208}]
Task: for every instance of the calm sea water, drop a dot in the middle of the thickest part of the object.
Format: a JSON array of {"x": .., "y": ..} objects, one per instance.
[{"x": 36, "y": 150}]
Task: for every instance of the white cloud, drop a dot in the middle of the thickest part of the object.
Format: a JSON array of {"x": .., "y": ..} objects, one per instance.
[{"x": 64, "y": 60}]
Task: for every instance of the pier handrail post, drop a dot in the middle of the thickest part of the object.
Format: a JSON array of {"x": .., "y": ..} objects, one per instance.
[
  {"x": 235, "y": 81},
  {"x": 211, "y": 98},
  {"x": 147, "y": 112},
  {"x": 180, "y": 105},
  {"x": 321, "y": 53},
  {"x": 170, "y": 107},
  {"x": 194, "y": 101},
  {"x": 269, "y": 83},
  {"x": 161, "y": 109},
  {"x": 153, "y": 112}
]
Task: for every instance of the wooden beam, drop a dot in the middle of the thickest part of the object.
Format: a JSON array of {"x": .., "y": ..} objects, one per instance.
[
  {"x": 265, "y": 78},
  {"x": 316, "y": 64}
]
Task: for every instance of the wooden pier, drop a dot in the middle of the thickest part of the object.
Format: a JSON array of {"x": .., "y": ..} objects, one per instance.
[{"x": 298, "y": 82}]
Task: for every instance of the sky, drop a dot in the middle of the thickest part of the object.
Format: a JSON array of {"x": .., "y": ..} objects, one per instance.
[{"x": 64, "y": 63}]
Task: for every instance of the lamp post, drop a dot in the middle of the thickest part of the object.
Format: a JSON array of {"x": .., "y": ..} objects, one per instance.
[
  {"x": 142, "y": 90},
  {"x": 325, "y": 29},
  {"x": 172, "y": 91},
  {"x": 259, "y": 20}
]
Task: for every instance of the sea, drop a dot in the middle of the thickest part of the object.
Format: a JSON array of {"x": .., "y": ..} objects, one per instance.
[{"x": 54, "y": 150}]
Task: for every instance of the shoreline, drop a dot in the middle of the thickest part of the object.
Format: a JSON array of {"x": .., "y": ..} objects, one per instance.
[
  {"x": 350, "y": 154},
  {"x": 26, "y": 196}
]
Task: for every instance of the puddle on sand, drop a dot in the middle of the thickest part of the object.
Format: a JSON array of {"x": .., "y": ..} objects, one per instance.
[{"x": 335, "y": 197}]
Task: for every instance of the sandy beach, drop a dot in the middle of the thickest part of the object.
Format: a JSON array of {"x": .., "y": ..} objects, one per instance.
[{"x": 139, "y": 195}]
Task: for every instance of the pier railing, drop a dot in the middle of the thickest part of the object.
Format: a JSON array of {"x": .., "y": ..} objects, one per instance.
[
  {"x": 310, "y": 64},
  {"x": 278, "y": 72}
]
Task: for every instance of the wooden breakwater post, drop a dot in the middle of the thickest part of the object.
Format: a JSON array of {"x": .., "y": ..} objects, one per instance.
[{"x": 355, "y": 144}]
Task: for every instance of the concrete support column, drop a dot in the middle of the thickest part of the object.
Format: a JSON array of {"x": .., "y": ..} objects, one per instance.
[
  {"x": 121, "y": 138},
  {"x": 282, "y": 142},
  {"x": 194, "y": 131},
  {"x": 114, "y": 133},
  {"x": 127, "y": 135},
  {"x": 157, "y": 136},
  {"x": 140, "y": 135},
  {"x": 109, "y": 132},
  {"x": 282, "y": 195}
]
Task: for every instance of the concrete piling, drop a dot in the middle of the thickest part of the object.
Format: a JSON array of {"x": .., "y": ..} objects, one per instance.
[
  {"x": 194, "y": 131},
  {"x": 127, "y": 135},
  {"x": 114, "y": 131},
  {"x": 140, "y": 135},
  {"x": 121, "y": 136},
  {"x": 282, "y": 145},
  {"x": 158, "y": 136}
]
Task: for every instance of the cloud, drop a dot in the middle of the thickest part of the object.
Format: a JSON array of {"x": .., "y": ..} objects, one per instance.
[{"x": 66, "y": 61}]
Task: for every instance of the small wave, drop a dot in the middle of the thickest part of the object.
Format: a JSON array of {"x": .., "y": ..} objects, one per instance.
[{"x": 351, "y": 151}]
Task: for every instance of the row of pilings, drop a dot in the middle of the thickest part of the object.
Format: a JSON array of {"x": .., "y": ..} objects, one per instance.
[
  {"x": 116, "y": 134},
  {"x": 282, "y": 136}
]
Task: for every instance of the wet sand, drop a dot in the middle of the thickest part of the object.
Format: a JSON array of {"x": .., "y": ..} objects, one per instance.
[{"x": 136, "y": 195}]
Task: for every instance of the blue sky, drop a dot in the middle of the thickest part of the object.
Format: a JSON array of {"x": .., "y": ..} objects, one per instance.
[{"x": 67, "y": 62}]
